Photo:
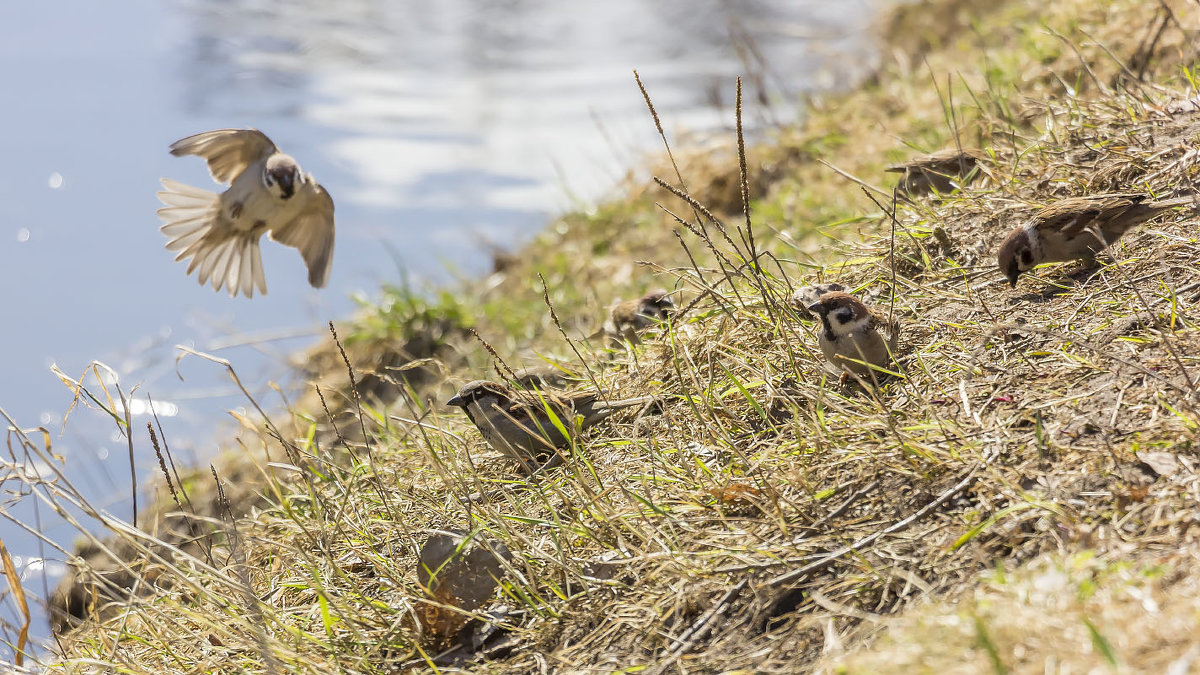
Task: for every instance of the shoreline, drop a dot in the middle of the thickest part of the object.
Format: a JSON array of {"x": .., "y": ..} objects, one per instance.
[{"x": 767, "y": 488}]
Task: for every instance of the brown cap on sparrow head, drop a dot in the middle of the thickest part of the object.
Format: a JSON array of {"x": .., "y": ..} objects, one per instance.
[
  {"x": 1076, "y": 228},
  {"x": 853, "y": 337},
  {"x": 268, "y": 193}
]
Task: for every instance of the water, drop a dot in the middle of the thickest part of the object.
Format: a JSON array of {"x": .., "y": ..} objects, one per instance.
[{"x": 440, "y": 129}]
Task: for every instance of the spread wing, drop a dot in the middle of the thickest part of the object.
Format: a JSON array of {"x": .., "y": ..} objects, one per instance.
[
  {"x": 311, "y": 231},
  {"x": 228, "y": 151}
]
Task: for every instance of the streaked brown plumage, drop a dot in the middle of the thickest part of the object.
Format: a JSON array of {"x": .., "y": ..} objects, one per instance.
[
  {"x": 519, "y": 423},
  {"x": 941, "y": 171},
  {"x": 1076, "y": 228}
]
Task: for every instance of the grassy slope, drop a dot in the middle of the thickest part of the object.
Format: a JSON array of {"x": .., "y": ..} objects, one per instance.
[{"x": 1034, "y": 401}]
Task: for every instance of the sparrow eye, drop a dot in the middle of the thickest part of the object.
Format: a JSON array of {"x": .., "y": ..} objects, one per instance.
[{"x": 1026, "y": 258}]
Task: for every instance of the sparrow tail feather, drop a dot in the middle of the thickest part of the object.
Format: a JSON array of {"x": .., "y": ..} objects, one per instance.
[
  {"x": 1173, "y": 203},
  {"x": 227, "y": 259}
]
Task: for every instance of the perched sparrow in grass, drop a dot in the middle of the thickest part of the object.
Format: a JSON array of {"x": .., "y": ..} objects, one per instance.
[
  {"x": 941, "y": 171},
  {"x": 854, "y": 338},
  {"x": 1076, "y": 229},
  {"x": 627, "y": 318},
  {"x": 808, "y": 296},
  {"x": 519, "y": 423},
  {"x": 268, "y": 193}
]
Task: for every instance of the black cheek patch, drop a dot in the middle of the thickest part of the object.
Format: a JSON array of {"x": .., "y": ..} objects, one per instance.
[{"x": 829, "y": 334}]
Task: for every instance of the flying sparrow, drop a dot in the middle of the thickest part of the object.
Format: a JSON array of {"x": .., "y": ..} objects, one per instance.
[
  {"x": 268, "y": 193},
  {"x": 519, "y": 423},
  {"x": 627, "y": 318},
  {"x": 808, "y": 296},
  {"x": 1076, "y": 228},
  {"x": 854, "y": 338},
  {"x": 941, "y": 171}
]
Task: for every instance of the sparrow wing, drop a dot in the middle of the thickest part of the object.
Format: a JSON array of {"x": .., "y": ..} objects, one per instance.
[
  {"x": 1072, "y": 216},
  {"x": 566, "y": 406},
  {"x": 950, "y": 161},
  {"x": 532, "y": 416},
  {"x": 595, "y": 408},
  {"x": 228, "y": 151},
  {"x": 1067, "y": 220},
  {"x": 953, "y": 160},
  {"x": 311, "y": 231},
  {"x": 889, "y": 328}
]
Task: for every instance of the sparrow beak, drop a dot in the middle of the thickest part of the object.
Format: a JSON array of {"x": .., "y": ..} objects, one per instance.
[
  {"x": 817, "y": 308},
  {"x": 287, "y": 185},
  {"x": 457, "y": 401},
  {"x": 1012, "y": 278}
]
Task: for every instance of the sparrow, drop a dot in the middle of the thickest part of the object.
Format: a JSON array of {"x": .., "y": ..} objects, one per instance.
[
  {"x": 854, "y": 337},
  {"x": 519, "y": 423},
  {"x": 1076, "y": 228},
  {"x": 629, "y": 317},
  {"x": 805, "y": 297},
  {"x": 942, "y": 171},
  {"x": 268, "y": 193}
]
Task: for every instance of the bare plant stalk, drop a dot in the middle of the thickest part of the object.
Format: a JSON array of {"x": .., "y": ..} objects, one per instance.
[
  {"x": 353, "y": 387},
  {"x": 561, "y": 331},
  {"x": 743, "y": 176},
  {"x": 247, "y": 592},
  {"x": 662, "y": 134},
  {"x": 18, "y": 592},
  {"x": 501, "y": 366}
]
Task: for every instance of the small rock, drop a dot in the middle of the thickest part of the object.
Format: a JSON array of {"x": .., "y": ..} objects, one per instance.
[
  {"x": 1162, "y": 463},
  {"x": 460, "y": 573}
]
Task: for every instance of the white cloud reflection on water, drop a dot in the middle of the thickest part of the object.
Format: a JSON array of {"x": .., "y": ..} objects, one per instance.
[{"x": 438, "y": 127}]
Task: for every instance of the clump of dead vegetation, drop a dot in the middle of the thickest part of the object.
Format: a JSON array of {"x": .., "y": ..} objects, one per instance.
[{"x": 765, "y": 516}]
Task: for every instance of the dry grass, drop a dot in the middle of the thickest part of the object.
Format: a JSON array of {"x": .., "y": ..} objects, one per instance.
[
  {"x": 1060, "y": 613},
  {"x": 766, "y": 517}
]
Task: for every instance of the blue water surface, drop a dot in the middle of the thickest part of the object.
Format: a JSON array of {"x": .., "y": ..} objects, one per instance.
[{"x": 440, "y": 128}]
